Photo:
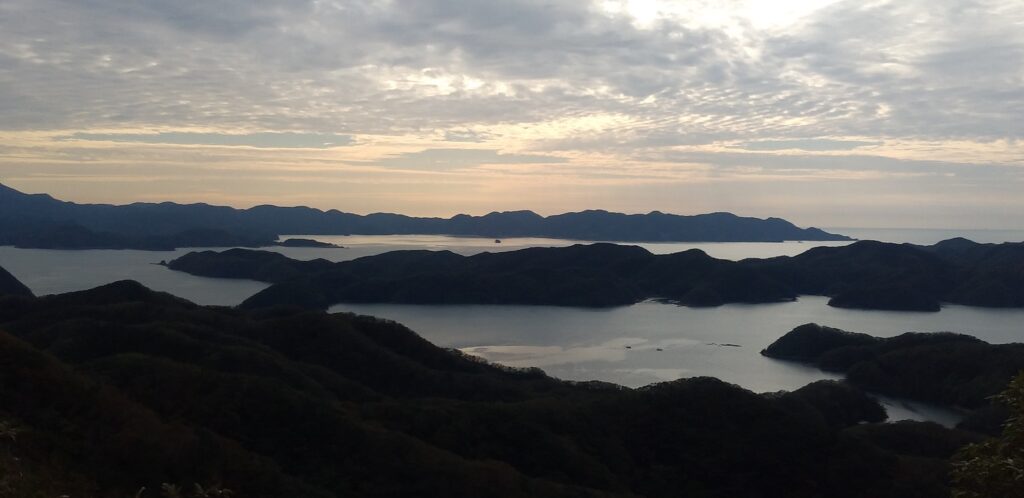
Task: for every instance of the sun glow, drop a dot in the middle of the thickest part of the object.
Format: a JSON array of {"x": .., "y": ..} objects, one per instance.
[{"x": 736, "y": 14}]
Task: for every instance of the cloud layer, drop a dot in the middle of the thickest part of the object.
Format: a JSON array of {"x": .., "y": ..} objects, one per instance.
[{"x": 435, "y": 107}]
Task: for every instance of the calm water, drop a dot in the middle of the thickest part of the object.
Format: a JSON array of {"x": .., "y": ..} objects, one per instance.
[
  {"x": 50, "y": 271},
  {"x": 651, "y": 342},
  {"x": 54, "y": 272},
  {"x": 363, "y": 245},
  {"x": 630, "y": 345}
]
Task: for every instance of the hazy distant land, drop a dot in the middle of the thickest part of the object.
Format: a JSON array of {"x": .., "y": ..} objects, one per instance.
[{"x": 40, "y": 221}]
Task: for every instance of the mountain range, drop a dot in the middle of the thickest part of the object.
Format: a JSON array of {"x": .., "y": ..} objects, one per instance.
[{"x": 40, "y": 221}]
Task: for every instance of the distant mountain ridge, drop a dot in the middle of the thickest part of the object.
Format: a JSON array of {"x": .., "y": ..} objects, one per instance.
[{"x": 41, "y": 221}]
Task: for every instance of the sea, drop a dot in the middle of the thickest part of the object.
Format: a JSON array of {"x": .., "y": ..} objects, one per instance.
[{"x": 631, "y": 345}]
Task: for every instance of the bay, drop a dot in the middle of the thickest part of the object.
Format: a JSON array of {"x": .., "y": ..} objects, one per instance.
[
  {"x": 653, "y": 342},
  {"x": 630, "y": 345}
]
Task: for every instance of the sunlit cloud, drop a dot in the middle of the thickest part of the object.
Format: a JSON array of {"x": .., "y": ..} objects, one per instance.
[
  {"x": 443, "y": 159},
  {"x": 445, "y": 106},
  {"x": 268, "y": 140}
]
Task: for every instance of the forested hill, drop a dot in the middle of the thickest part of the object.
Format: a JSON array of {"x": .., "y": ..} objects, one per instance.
[
  {"x": 118, "y": 388},
  {"x": 40, "y": 221},
  {"x": 865, "y": 274},
  {"x": 941, "y": 368},
  {"x": 11, "y": 285}
]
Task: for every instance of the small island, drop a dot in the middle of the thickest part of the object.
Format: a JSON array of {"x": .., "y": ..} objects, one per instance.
[{"x": 308, "y": 243}]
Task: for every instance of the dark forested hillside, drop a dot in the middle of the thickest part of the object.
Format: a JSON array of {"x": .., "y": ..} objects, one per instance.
[
  {"x": 117, "y": 388},
  {"x": 580, "y": 275},
  {"x": 40, "y": 221},
  {"x": 944, "y": 368},
  {"x": 11, "y": 285},
  {"x": 866, "y": 274}
]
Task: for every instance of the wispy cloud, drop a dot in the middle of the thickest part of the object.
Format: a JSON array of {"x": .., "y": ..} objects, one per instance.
[
  {"x": 809, "y": 144},
  {"x": 267, "y": 140},
  {"x": 443, "y": 159},
  {"x": 627, "y": 93}
]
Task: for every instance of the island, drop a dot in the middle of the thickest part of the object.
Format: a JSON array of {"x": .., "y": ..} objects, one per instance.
[
  {"x": 308, "y": 243},
  {"x": 865, "y": 274}
]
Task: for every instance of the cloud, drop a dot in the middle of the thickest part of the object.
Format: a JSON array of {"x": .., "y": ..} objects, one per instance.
[
  {"x": 766, "y": 163},
  {"x": 805, "y": 144},
  {"x": 466, "y": 136},
  {"x": 443, "y": 159},
  {"x": 595, "y": 87},
  {"x": 267, "y": 140},
  {"x": 849, "y": 69}
]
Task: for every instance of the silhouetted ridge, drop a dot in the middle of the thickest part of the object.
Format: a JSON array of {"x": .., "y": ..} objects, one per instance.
[
  {"x": 122, "y": 291},
  {"x": 866, "y": 274},
  {"x": 810, "y": 341},
  {"x": 944, "y": 368},
  {"x": 579, "y": 275},
  {"x": 242, "y": 263},
  {"x": 39, "y": 221},
  {"x": 956, "y": 245},
  {"x": 307, "y": 243},
  {"x": 874, "y": 275}
]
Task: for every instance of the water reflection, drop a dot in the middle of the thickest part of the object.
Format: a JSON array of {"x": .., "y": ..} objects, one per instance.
[
  {"x": 901, "y": 409},
  {"x": 615, "y": 350},
  {"x": 55, "y": 272},
  {"x": 48, "y": 271},
  {"x": 621, "y": 345},
  {"x": 363, "y": 245}
]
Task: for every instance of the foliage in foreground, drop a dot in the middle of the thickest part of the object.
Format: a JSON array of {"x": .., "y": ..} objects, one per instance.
[
  {"x": 108, "y": 390},
  {"x": 995, "y": 468}
]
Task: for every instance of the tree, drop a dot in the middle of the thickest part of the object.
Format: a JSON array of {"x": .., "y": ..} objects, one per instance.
[{"x": 995, "y": 468}]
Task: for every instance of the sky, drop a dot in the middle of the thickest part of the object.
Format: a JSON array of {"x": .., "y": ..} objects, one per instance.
[{"x": 828, "y": 113}]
